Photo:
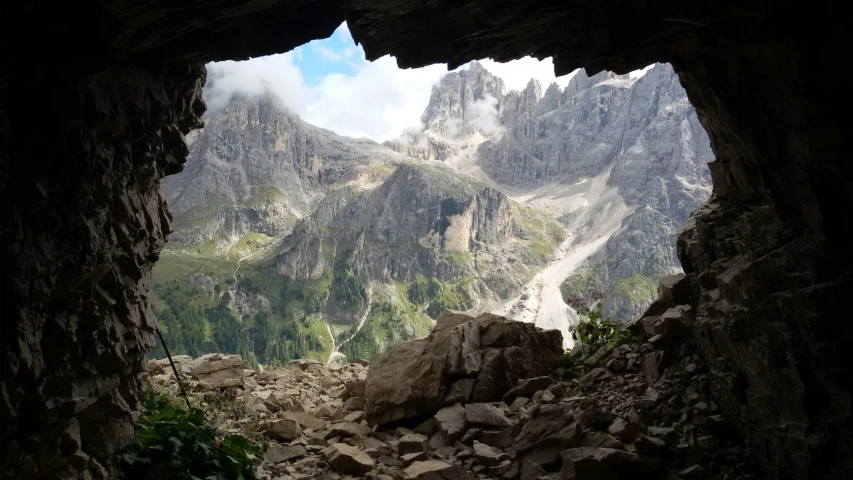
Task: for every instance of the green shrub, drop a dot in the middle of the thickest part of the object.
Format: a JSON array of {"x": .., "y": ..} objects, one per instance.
[
  {"x": 595, "y": 331},
  {"x": 175, "y": 443}
]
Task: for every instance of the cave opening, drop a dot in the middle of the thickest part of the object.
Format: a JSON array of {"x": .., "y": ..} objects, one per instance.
[{"x": 765, "y": 257}]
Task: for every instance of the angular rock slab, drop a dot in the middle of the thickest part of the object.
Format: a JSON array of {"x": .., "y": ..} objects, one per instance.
[
  {"x": 416, "y": 378},
  {"x": 348, "y": 459},
  {"x": 434, "y": 470}
]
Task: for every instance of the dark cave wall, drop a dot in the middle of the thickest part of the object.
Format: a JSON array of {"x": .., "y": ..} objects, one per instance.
[
  {"x": 87, "y": 134},
  {"x": 84, "y": 221},
  {"x": 769, "y": 254}
]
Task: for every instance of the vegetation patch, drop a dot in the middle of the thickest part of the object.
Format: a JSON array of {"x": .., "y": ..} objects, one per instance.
[
  {"x": 636, "y": 288},
  {"x": 440, "y": 296},
  {"x": 263, "y": 195},
  {"x": 347, "y": 291},
  {"x": 175, "y": 443},
  {"x": 456, "y": 257}
]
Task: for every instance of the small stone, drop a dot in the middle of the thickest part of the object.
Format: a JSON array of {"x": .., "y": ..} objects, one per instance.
[
  {"x": 451, "y": 422},
  {"x": 354, "y": 403},
  {"x": 660, "y": 341},
  {"x": 78, "y": 460},
  {"x": 649, "y": 446},
  {"x": 487, "y": 455},
  {"x": 325, "y": 411},
  {"x": 500, "y": 469},
  {"x": 283, "y": 454},
  {"x": 434, "y": 469},
  {"x": 531, "y": 471},
  {"x": 410, "y": 458},
  {"x": 346, "y": 430},
  {"x": 497, "y": 438},
  {"x": 603, "y": 440},
  {"x": 527, "y": 387},
  {"x": 707, "y": 442},
  {"x": 348, "y": 459},
  {"x": 471, "y": 435},
  {"x": 354, "y": 417},
  {"x": 518, "y": 403},
  {"x": 695, "y": 472},
  {"x": 284, "y": 430},
  {"x": 667, "y": 434},
  {"x": 487, "y": 415},
  {"x": 413, "y": 443},
  {"x": 628, "y": 432}
]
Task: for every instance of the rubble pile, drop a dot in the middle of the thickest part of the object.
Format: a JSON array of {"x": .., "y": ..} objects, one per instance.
[{"x": 430, "y": 408}]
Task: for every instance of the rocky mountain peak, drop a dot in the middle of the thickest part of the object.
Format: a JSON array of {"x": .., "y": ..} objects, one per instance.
[
  {"x": 459, "y": 100},
  {"x": 581, "y": 81},
  {"x": 551, "y": 100}
]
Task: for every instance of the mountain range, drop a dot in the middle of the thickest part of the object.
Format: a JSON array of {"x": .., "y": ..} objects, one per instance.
[{"x": 291, "y": 241}]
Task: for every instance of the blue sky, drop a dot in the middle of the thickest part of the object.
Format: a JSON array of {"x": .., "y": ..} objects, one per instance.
[
  {"x": 336, "y": 54},
  {"x": 330, "y": 84}
]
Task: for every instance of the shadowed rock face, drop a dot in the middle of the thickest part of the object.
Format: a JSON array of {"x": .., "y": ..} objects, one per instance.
[{"x": 88, "y": 132}]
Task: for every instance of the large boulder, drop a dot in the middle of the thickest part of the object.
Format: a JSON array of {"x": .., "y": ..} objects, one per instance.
[
  {"x": 464, "y": 359},
  {"x": 217, "y": 370}
]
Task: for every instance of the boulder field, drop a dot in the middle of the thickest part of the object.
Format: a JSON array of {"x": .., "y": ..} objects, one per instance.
[{"x": 484, "y": 398}]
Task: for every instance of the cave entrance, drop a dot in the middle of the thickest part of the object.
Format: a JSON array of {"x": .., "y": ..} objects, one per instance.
[
  {"x": 279, "y": 250},
  {"x": 766, "y": 257}
]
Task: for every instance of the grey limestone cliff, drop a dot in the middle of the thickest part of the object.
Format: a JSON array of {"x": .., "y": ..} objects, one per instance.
[
  {"x": 638, "y": 139},
  {"x": 256, "y": 167}
]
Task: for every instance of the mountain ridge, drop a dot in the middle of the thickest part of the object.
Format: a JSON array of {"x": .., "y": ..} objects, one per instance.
[{"x": 508, "y": 201}]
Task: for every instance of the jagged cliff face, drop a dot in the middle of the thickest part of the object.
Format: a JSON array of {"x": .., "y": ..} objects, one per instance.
[
  {"x": 658, "y": 155},
  {"x": 608, "y": 155},
  {"x": 425, "y": 221},
  {"x": 272, "y": 211},
  {"x": 461, "y": 106},
  {"x": 256, "y": 167},
  {"x": 407, "y": 223}
]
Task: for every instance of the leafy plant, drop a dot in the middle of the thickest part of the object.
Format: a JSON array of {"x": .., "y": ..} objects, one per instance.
[
  {"x": 176, "y": 443},
  {"x": 595, "y": 331}
]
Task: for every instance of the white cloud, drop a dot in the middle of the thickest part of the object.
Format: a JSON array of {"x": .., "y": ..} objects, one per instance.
[
  {"x": 276, "y": 73},
  {"x": 517, "y": 73},
  {"x": 328, "y": 54},
  {"x": 486, "y": 115},
  {"x": 379, "y": 101}
]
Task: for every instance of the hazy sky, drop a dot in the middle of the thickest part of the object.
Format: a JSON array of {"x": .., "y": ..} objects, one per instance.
[{"x": 330, "y": 84}]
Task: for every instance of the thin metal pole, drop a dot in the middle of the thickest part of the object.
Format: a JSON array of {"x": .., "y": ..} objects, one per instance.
[{"x": 169, "y": 355}]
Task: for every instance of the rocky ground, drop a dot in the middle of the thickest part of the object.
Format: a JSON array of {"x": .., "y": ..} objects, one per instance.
[{"x": 484, "y": 398}]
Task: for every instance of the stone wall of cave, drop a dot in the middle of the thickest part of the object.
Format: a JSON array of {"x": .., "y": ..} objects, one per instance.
[
  {"x": 84, "y": 219},
  {"x": 89, "y": 128}
]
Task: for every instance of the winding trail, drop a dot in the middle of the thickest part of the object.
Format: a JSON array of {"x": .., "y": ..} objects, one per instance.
[{"x": 336, "y": 354}]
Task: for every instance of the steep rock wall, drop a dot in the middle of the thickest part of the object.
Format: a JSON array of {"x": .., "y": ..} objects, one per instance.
[{"x": 80, "y": 237}]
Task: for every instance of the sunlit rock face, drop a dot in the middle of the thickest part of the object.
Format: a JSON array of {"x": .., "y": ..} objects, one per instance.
[
  {"x": 257, "y": 167},
  {"x": 643, "y": 140}
]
